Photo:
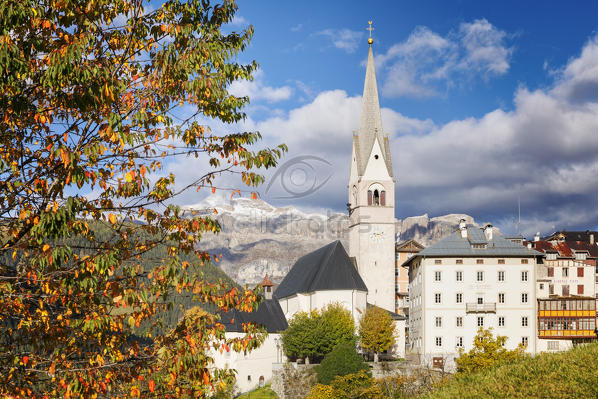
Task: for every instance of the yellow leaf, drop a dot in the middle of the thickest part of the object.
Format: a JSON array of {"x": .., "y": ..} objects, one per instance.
[
  {"x": 46, "y": 247},
  {"x": 112, "y": 218}
]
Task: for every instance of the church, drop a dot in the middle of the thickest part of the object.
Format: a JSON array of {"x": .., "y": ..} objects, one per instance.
[{"x": 357, "y": 277}]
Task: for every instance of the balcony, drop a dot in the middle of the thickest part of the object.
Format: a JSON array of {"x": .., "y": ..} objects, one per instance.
[{"x": 474, "y": 307}]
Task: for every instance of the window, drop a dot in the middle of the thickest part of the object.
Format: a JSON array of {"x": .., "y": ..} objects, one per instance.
[
  {"x": 580, "y": 289},
  {"x": 524, "y": 261},
  {"x": 524, "y": 321},
  {"x": 501, "y": 275},
  {"x": 524, "y": 297},
  {"x": 480, "y": 321},
  {"x": 479, "y": 261},
  {"x": 438, "y": 261},
  {"x": 438, "y": 321},
  {"x": 580, "y": 272},
  {"x": 438, "y": 341},
  {"x": 459, "y": 261},
  {"x": 565, "y": 290},
  {"x": 437, "y": 276},
  {"x": 551, "y": 272},
  {"x": 501, "y": 297},
  {"x": 459, "y": 321},
  {"x": 437, "y": 298},
  {"x": 541, "y": 286},
  {"x": 459, "y": 297},
  {"x": 550, "y": 289},
  {"x": 501, "y": 261},
  {"x": 248, "y": 378},
  {"x": 501, "y": 321},
  {"x": 553, "y": 345},
  {"x": 524, "y": 275},
  {"x": 480, "y": 299},
  {"x": 565, "y": 272},
  {"x": 459, "y": 276},
  {"x": 524, "y": 341},
  {"x": 459, "y": 343},
  {"x": 480, "y": 276}
]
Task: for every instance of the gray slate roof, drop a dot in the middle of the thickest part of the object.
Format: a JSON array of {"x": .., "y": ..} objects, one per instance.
[
  {"x": 327, "y": 268},
  {"x": 455, "y": 245},
  {"x": 269, "y": 315}
]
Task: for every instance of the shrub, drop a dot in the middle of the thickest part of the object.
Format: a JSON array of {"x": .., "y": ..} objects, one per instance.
[
  {"x": 486, "y": 352},
  {"x": 343, "y": 360}
]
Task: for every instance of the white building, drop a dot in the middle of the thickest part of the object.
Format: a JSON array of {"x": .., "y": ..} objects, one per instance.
[
  {"x": 254, "y": 367},
  {"x": 473, "y": 278}
]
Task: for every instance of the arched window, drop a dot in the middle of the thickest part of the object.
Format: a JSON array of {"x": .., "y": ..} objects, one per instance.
[
  {"x": 383, "y": 198},
  {"x": 376, "y": 197},
  {"x": 369, "y": 197},
  {"x": 261, "y": 381}
]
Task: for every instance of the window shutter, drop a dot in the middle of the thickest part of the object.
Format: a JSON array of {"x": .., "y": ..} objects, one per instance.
[
  {"x": 383, "y": 198},
  {"x": 580, "y": 272},
  {"x": 580, "y": 289},
  {"x": 565, "y": 290},
  {"x": 550, "y": 272},
  {"x": 369, "y": 197}
]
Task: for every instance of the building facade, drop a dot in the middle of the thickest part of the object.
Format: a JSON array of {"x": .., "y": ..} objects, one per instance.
[
  {"x": 403, "y": 251},
  {"x": 473, "y": 278}
]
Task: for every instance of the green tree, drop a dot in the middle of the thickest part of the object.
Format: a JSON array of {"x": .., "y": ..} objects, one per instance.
[
  {"x": 486, "y": 352},
  {"x": 96, "y": 97},
  {"x": 376, "y": 331},
  {"x": 343, "y": 360},
  {"x": 313, "y": 335}
]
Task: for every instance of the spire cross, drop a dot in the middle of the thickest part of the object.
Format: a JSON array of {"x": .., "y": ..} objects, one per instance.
[{"x": 370, "y": 28}]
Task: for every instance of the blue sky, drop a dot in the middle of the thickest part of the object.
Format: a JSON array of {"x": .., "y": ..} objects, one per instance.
[{"x": 484, "y": 102}]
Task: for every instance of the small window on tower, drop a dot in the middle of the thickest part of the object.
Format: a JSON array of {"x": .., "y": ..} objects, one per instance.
[
  {"x": 376, "y": 156},
  {"x": 376, "y": 197}
]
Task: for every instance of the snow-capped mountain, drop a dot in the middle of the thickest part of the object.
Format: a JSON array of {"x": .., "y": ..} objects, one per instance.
[{"x": 258, "y": 238}]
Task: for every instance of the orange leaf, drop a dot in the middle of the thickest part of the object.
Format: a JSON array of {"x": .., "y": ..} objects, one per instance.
[
  {"x": 152, "y": 385},
  {"x": 206, "y": 378},
  {"x": 213, "y": 190},
  {"x": 25, "y": 360},
  {"x": 112, "y": 218}
]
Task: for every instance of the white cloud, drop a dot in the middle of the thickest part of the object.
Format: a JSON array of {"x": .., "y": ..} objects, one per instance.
[
  {"x": 427, "y": 63},
  {"x": 344, "y": 39},
  {"x": 257, "y": 90},
  {"x": 296, "y": 28},
  {"x": 543, "y": 152},
  {"x": 239, "y": 20}
]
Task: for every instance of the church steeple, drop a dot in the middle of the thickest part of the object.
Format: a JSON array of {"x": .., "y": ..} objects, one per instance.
[{"x": 370, "y": 124}]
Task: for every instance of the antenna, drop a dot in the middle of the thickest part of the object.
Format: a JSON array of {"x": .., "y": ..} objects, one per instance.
[{"x": 519, "y": 211}]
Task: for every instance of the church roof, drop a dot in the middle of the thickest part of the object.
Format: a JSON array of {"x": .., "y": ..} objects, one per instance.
[
  {"x": 327, "y": 268},
  {"x": 267, "y": 282},
  {"x": 269, "y": 315},
  {"x": 370, "y": 124}
]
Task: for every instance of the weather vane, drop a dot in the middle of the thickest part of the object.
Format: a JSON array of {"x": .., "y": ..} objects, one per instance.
[{"x": 370, "y": 40}]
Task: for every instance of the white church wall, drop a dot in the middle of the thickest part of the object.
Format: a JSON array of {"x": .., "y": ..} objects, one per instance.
[
  {"x": 352, "y": 300},
  {"x": 252, "y": 365}
]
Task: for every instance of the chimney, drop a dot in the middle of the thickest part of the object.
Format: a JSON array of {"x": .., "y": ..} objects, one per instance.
[
  {"x": 488, "y": 231},
  {"x": 591, "y": 239},
  {"x": 463, "y": 228},
  {"x": 529, "y": 245},
  {"x": 537, "y": 237}
]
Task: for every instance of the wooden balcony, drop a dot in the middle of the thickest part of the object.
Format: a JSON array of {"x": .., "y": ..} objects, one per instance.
[{"x": 474, "y": 307}]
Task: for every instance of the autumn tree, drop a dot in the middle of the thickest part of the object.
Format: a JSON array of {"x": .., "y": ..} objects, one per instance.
[
  {"x": 376, "y": 331},
  {"x": 97, "y": 98},
  {"x": 487, "y": 351}
]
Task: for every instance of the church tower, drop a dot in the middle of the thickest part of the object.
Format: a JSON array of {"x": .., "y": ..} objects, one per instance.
[{"x": 371, "y": 198}]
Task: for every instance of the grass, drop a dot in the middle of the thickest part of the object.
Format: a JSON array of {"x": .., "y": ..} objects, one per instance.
[
  {"x": 260, "y": 393},
  {"x": 570, "y": 374}
]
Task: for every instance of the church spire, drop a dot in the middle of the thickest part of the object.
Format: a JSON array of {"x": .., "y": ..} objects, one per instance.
[{"x": 370, "y": 124}]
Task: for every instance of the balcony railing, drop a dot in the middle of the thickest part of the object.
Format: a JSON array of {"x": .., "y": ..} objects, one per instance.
[{"x": 474, "y": 307}]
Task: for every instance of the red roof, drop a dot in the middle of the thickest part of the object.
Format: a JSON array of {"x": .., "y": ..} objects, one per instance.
[
  {"x": 267, "y": 282},
  {"x": 543, "y": 246},
  {"x": 563, "y": 249}
]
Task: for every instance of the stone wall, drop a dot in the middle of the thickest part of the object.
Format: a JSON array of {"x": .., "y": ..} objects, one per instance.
[{"x": 292, "y": 380}]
